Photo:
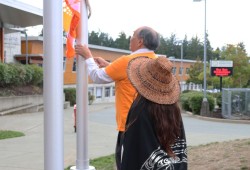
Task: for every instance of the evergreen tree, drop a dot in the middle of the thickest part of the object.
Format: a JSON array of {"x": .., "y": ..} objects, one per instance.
[{"x": 122, "y": 42}]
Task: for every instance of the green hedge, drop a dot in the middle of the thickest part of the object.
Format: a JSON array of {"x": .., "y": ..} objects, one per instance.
[
  {"x": 192, "y": 101},
  {"x": 18, "y": 75},
  {"x": 70, "y": 95},
  {"x": 219, "y": 99},
  {"x": 37, "y": 77}
]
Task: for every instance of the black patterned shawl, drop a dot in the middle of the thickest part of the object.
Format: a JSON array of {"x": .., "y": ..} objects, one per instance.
[{"x": 141, "y": 149}]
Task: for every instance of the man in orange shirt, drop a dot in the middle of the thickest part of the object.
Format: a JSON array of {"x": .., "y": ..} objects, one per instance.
[{"x": 144, "y": 42}]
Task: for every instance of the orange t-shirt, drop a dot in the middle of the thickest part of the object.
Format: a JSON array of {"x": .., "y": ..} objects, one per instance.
[{"x": 124, "y": 91}]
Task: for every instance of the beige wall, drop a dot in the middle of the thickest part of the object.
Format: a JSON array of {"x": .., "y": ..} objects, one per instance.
[{"x": 35, "y": 47}]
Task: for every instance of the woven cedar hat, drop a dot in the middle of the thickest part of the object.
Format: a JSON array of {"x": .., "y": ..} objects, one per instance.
[{"x": 154, "y": 80}]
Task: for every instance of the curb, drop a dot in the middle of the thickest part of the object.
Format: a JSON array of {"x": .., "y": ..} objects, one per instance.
[{"x": 217, "y": 119}]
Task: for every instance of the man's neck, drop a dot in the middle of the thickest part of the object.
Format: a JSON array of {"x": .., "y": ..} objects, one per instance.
[{"x": 142, "y": 50}]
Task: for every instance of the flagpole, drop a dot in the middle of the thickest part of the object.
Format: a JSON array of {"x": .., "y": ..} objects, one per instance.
[
  {"x": 53, "y": 84},
  {"x": 82, "y": 162}
]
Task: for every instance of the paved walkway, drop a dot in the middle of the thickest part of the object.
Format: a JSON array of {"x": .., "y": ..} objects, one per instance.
[{"x": 26, "y": 153}]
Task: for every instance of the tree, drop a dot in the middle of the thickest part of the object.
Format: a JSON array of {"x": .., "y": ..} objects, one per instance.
[
  {"x": 216, "y": 54},
  {"x": 195, "y": 72},
  {"x": 170, "y": 46},
  {"x": 100, "y": 38},
  {"x": 105, "y": 40},
  {"x": 241, "y": 66},
  {"x": 163, "y": 47},
  {"x": 122, "y": 42},
  {"x": 195, "y": 48},
  {"x": 185, "y": 47},
  {"x": 94, "y": 38}
]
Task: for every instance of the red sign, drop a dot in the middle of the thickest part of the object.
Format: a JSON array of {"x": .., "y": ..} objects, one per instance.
[{"x": 221, "y": 71}]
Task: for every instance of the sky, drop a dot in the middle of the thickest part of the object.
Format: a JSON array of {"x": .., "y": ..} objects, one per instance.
[{"x": 226, "y": 20}]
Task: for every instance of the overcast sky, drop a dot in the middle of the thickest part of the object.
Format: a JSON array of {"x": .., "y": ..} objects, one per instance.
[{"x": 227, "y": 20}]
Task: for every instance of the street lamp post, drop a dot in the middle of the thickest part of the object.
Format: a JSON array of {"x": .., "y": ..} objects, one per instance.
[
  {"x": 181, "y": 68},
  {"x": 182, "y": 83},
  {"x": 181, "y": 42},
  {"x": 205, "y": 105}
]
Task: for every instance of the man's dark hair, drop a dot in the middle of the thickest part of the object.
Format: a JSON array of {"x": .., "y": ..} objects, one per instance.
[{"x": 151, "y": 39}]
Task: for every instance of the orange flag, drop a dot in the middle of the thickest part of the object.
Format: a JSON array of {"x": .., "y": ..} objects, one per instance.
[{"x": 71, "y": 18}]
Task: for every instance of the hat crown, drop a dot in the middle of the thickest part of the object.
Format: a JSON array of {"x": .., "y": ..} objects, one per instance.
[{"x": 161, "y": 70}]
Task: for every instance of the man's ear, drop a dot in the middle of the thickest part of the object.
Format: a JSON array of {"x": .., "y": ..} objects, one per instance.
[{"x": 140, "y": 42}]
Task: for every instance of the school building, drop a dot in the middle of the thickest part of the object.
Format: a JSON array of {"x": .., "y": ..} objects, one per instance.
[{"x": 32, "y": 53}]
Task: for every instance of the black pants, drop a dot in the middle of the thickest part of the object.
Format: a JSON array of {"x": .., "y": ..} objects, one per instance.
[{"x": 118, "y": 150}]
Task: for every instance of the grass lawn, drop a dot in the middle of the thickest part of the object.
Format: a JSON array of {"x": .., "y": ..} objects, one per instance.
[
  {"x": 102, "y": 163},
  {"x": 5, "y": 134}
]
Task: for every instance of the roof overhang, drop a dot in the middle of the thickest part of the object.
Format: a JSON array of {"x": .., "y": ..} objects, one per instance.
[{"x": 19, "y": 14}]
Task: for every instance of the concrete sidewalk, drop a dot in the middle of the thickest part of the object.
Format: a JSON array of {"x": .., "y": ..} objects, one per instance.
[{"x": 27, "y": 153}]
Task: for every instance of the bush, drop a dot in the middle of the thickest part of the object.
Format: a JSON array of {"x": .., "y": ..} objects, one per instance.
[
  {"x": 185, "y": 97},
  {"x": 195, "y": 103},
  {"x": 192, "y": 101},
  {"x": 184, "y": 101},
  {"x": 8, "y": 75},
  {"x": 37, "y": 78},
  {"x": 29, "y": 74},
  {"x": 219, "y": 99},
  {"x": 211, "y": 102},
  {"x": 2, "y": 74},
  {"x": 91, "y": 98},
  {"x": 70, "y": 95},
  {"x": 18, "y": 75}
]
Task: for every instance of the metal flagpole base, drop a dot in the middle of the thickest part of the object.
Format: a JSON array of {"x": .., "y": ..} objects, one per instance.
[{"x": 90, "y": 168}]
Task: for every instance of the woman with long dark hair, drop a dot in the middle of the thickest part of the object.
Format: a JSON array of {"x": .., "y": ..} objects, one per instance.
[{"x": 154, "y": 138}]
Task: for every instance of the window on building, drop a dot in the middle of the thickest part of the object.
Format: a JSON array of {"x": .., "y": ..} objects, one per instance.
[
  {"x": 99, "y": 92},
  {"x": 187, "y": 70},
  {"x": 180, "y": 71},
  {"x": 74, "y": 65},
  {"x": 64, "y": 63},
  {"x": 107, "y": 91},
  {"x": 174, "y": 70},
  {"x": 113, "y": 91}
]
